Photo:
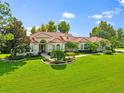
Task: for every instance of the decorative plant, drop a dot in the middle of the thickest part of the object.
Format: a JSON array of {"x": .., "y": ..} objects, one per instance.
[
  {"x": 58, "y": 55},
  {"x": 92, "y": 46},
  {"x": 71, "y": 46}
]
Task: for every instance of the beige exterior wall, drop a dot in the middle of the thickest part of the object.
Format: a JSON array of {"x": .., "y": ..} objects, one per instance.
[
  {"x": 34, "y": 48},
  {"x": 81, "y": 46},
  {"x": 52, "y": 46},
  {"x": 49, "y": 47}
]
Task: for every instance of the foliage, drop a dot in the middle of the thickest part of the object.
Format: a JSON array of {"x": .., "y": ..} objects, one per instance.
[
  {"x": 71, "y": 46},
  {"x": 42, "y": 28},
  {"x": 107, "y": 31},
  {"x": 20, "y": 49},
  {"x": 15, "y": 57},
  {"x": 103, "y": 44},
  {"x": 92, "y": 46},
  {"x": 103, "y": 30},
  {"x": 114, "y": 43},
  {"x": 5, "y": 18},
  {"x": 120, "y": 37},
  {"x": 108, "y": 52},
  {"x": 5, "y": 13},
  {"x": 58, "y": 55},
  {"x": 15, "y": 28},
  {"x": 63, "y": 27},
  {"x": 33, "y": 30},
  {"x": 51, "y": 27}
]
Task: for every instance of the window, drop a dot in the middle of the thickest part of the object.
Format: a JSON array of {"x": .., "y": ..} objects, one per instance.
[
  {"x": 86, "y": 46},
  {"x": 58, "y": 46},
  {"x": 82, "y": 46},
  {"x": 53, "y": 47},
  {"x": 32, "y": 48}
]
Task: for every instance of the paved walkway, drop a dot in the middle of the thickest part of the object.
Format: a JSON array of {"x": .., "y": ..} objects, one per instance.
[
  {"x": 82, "y": 55},
  {"x": 77, "y": 56},
  {"x": 119, "y": 50}
]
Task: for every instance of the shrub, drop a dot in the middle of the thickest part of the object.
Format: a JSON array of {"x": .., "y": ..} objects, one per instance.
[
  {"x": 71, "y": 46},
  {"x": 58, "y": 55},
  {"x": 108, "y": 52},
  {"x": 44, "y": 59},
  {"x": 92, "y": 46},
  {"x": 15, "y": 57}
]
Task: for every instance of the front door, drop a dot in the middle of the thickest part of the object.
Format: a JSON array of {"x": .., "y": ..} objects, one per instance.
[{"x": 42, "y": 48}]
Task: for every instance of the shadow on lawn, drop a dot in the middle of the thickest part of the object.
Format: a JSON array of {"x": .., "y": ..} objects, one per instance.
[
  {"x": 6, "y": 67},
  {"x": 59, "y": 67}
]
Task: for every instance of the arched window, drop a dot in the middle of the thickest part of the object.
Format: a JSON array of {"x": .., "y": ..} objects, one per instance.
[
  {"x": 43, "y": 41},
  {"x": 58, "y": 46}
]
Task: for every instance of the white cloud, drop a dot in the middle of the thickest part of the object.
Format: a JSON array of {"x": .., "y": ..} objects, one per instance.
[
  {"x": 121, "y": 2},
  {"x": 106, "y": 14},
  {"x": 96, "y": 16},
  {"x": 68, "y": 15}
]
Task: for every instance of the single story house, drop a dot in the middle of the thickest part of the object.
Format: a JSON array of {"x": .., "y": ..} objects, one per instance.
[{"x": 48, "y": 41}]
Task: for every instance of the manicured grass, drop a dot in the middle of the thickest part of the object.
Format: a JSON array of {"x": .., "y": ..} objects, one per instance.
[
  {"x": 90, "y": 74},
  {"x": 4, "y": 55}
]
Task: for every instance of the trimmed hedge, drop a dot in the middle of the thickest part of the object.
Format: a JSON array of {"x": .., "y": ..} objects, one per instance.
[{"x": 110, "y": 52}]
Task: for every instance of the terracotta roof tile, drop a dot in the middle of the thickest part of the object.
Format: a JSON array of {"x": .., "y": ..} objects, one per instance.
[{"x": 62, "y": 37}]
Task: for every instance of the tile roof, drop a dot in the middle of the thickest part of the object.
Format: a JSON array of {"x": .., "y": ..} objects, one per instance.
[{"x": 58, "y": 37}]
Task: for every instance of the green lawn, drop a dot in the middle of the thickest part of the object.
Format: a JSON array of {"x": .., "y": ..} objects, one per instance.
[
  {"x": 4, "y": 55},
  {"x": 90, "y": 74}
]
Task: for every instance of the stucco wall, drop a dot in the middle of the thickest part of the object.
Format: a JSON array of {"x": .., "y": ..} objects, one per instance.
[
  {"x": 34, "y": 48},
  {"x": 51, "y": 45}
]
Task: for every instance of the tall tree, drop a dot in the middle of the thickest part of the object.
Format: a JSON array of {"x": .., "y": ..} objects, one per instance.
[
  {"x": 120, "y": 36},
  {"x": 42, "y": 28},
  {"x": 33, "y": 30},
  {"x": 51, "y": 27},
  {"x": 5, "y": 13},
  {"x": 16, "y": 28},
  {"x": 103, "y": 30},
  {"x": 63, "y": 27},
  {"x": 5, "y": 18}
]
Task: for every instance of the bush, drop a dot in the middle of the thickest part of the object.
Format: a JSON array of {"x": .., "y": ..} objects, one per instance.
[
  {"x": 44, "y": 59},
  {"x": 58, "y": 55},
  {"x": 92, "y": 46},
  {"x": 108, "y": 52},
  {"x": 15, "y": 57},
  {"x": 71, "y": 46}
]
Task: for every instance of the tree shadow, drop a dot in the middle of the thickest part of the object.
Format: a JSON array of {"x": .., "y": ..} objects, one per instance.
[
  {"x": 59, "y": 67},
  {"x": 33, "y": 58},
  {"x": 6, "y": 67}
]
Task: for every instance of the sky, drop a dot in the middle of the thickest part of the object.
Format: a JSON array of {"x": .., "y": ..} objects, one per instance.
[{"x": 82, "y": 15}]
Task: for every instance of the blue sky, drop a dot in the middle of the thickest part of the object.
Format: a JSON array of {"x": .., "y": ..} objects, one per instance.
[{"x": 82, "y": 15}]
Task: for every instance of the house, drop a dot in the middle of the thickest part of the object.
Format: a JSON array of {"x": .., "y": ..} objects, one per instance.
[{"x": 48, "y": 41}]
